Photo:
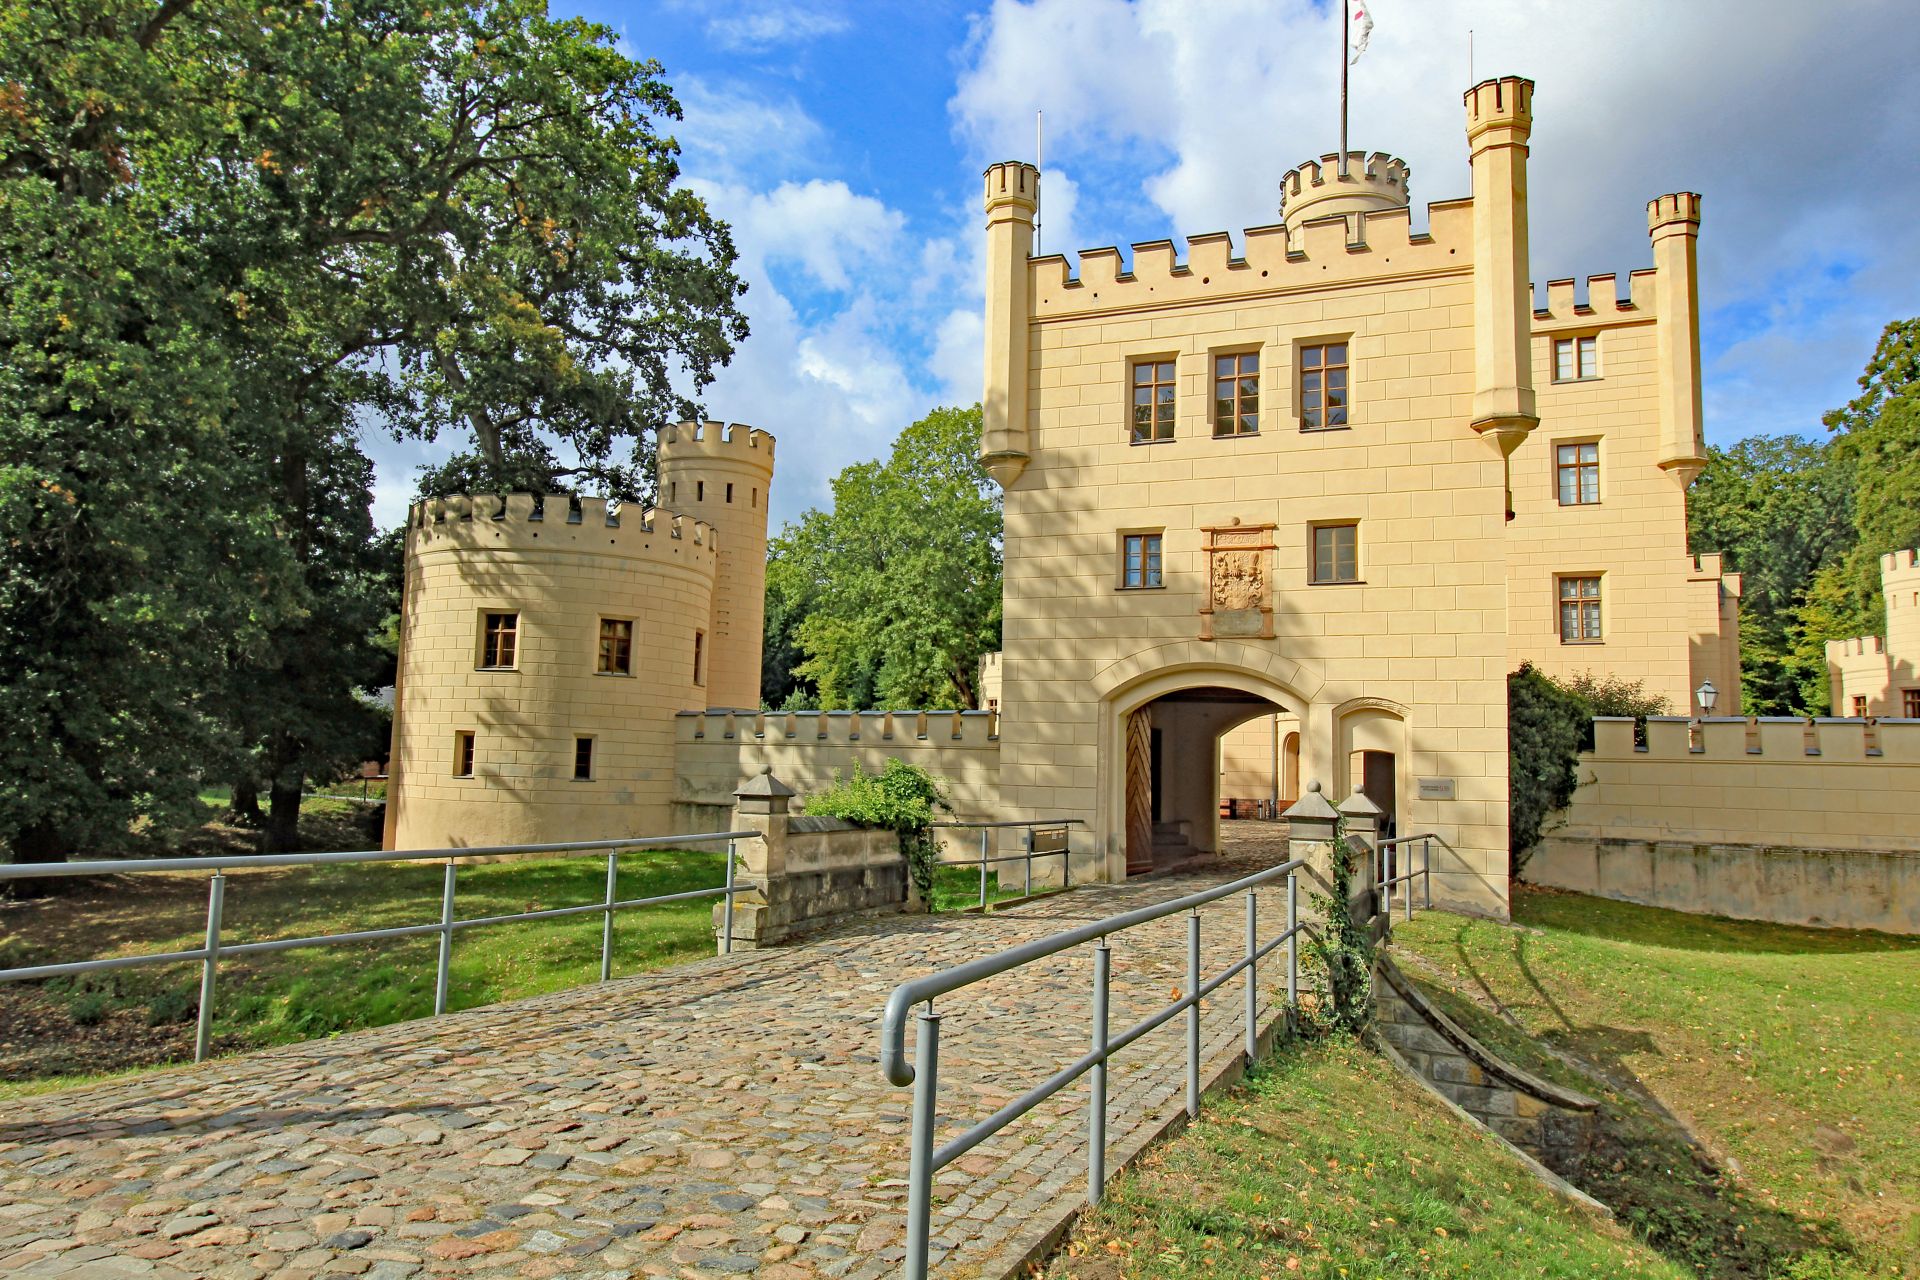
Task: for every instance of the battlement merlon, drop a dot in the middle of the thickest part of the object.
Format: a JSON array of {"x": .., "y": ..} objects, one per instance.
[
  {"x": 1012, "y": 198},
  {"x": 1673, "y": 224},
  {"x": 559, "y": 523},
  {"x": 1903, "y": 565},
  {"x": 1499, "y": 112}
]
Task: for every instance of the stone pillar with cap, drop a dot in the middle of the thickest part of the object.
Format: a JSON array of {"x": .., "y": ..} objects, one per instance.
[
  {"x": 1360, "y": 823},
  {"x": 760, "y": 805},
  {"x": 1311, "y": 824}
]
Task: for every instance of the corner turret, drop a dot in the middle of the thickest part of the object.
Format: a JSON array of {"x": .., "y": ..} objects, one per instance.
[
  {"x": 1317, "y": 189},
  {"x": 1499, "y": 122},
  {"x": 1673, "y": 223},
  {"x": 1012, "y": 202}
]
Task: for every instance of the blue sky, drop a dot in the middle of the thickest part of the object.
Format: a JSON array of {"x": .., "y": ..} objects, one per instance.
[{"x": 844, "y": 142}]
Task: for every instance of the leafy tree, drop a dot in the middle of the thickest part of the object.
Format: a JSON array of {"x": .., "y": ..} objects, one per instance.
[
  {"x": 1877, "y": 437},
  {"x": 893, "y": 594},
  {"x": 902, "y": 798},
  {"x": 1549, "y": 722},
  {"x": 276, "y": 222},
  {"x": 1781, "y": 509}
]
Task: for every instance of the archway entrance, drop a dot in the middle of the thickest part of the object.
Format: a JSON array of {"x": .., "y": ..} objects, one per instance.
[{"x": 1171, "y": 772}]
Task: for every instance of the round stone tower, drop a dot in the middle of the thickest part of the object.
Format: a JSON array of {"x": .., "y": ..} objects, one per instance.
[
  {"x": 720, "y": 475},
  {"x": 1900, "y": 584},
  {"x": 1317, "y": 189}
]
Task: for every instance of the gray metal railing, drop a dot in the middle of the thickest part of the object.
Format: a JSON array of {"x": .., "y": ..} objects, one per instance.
[
  {"x": 1388, "y": 872},
  {"x": 924, "y": 1072},
  {"x": 210, "y": 954},
  {"x": 1028, "y": 854}
]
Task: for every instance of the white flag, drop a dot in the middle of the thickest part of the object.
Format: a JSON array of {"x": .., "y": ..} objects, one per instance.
[{"x": 1362, "y": 29}]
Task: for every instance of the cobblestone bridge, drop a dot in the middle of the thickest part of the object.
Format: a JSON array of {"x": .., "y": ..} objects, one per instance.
[{"x": 723, "y": 1118}]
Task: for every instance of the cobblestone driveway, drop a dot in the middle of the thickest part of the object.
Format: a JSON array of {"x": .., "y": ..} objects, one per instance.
[{"x": 723, "y": 1118}]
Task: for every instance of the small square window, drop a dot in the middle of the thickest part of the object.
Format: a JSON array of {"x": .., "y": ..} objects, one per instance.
[
  {"x": 463, "y": 754},
  {"x": 1336, "y": 553},
  {"x": 1578, "y": 469},
  {"x": 583, "y": 759},
  {"x": 1576, "y": 358},
  {"x": 1236, "y": 395},
  {"x": 1323, "y": 386},
  {"x": 616, "y": 647},
  {"x": 499, "y": 640},
  {"x": 1580, "y": 610},
  {"x": 1139, "y": 560},
  {"x": 1153, "y": 401},
  {"x": 1859, "y": 705},
  {"x": 1910, "y": 703},
  {"x": 699, "y": 657}
]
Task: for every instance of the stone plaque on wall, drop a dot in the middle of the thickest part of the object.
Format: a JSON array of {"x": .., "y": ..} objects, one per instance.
[
  {"x": 1435, "y": 788},
  {"x": 1239, "y": 599}
]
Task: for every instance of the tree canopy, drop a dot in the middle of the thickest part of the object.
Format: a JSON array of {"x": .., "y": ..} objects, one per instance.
[
  {"x": 232, "y": 239},
  {"x": 891, "y": 596}
]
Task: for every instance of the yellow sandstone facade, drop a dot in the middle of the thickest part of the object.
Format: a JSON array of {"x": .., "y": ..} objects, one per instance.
[
  {"x": 1318, "y": 497},
  {"x": 547, "y": 646},
  {"x": 1872, "y": 676}
]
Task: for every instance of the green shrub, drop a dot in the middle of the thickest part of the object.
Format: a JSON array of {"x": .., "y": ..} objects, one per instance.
[
  {"x": 1343, "y": 947},
  {"x": 1549, "y": 723},
  {"x": 901, "y": 798},
  {"x": 167, "y": 1007},
  {"x": 89, "y": 1008}
]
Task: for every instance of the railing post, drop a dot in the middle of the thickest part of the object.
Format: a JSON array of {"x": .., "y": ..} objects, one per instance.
[
  {"x": 1406, "y": 890},
  {"x": 926, "y": 1082},
  {"x": 446, "y": 938},
  {"x": 1253, "y": 977},
  {"x": 983, "y": 868},
  {"x": 209, "y": 966},
  {"x": 1097, "y": 1078},
  {"x": 1293, "y": 943},
  {"x": 1193, "y": 1014},
  {"x": 1426, "y": 868},
  {"x": 726, "y": 909},
  {"x": 1029, "y": 892},
  {"x": 606, "y": 920}
]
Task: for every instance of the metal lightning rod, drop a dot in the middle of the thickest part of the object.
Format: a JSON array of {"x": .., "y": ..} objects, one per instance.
[
  {"x": 1039, "y": 162},
  {"x": 1346, "y": 19}
]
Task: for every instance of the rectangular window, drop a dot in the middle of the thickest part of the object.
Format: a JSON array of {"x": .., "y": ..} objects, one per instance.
[
  {"x": 616, "y": 647},
  {"x": 1910, "y": 703},
  {"x": 1323, "y": 386},
  {"x": 1153, "y": 401},
  {"x": 1576, "y": 358},
  {"x": 1578, "y": 467},
  {"x": 499, "y": 639},
  {"x": 463, "y": 755},
  {"x": 1140, "y": 560},
  {"x": 699, "y": 657},
  {"x": 583, "y": 759},
  {"x": 1859, "y": 705},
  {"x": 1236, "y": 395},
  {"x": 1336, "y": 553},
  {"x": 1579, "y": 610}
]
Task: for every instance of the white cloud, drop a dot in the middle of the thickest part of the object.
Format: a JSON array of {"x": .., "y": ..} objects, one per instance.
[
  {"x": 731, "y": 131},
  {"x": 755, "y": 26},
  {"x": 1796, "y": 124},
  {"x": 823, "y": 227}
]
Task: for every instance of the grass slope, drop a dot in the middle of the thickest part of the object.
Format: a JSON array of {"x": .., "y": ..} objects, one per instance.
[
  {"x": 1327, "y": 1163},
  {"x": 1793, "y": 1054}
]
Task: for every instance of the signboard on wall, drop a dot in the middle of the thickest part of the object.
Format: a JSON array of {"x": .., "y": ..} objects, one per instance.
[{"x": 1435, "y": 788}]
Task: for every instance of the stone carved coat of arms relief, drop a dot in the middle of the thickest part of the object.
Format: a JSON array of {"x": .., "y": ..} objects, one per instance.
[{"x": 1239, "y": 593}]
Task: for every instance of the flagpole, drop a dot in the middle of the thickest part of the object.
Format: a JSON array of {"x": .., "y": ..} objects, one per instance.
[{"x": 1346, "y": 18}]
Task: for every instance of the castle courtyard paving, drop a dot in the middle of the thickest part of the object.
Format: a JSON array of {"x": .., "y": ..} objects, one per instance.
[{"x": 726, "y": 1117}]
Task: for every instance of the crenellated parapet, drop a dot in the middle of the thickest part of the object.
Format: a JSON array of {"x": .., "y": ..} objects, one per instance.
[
  {"x": 688, "y": 442},
  {"x": 841, "y": 728},
  {"x": 552, "y": 523},
  {"x": 1318, "y": 189},
  {"x": 1605, "y": 304}
]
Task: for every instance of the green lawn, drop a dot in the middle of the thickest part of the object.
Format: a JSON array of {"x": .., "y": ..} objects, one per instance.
[
  {"x": 1793, "y": 1054},
  {"x": 1327, "y": 1163}
]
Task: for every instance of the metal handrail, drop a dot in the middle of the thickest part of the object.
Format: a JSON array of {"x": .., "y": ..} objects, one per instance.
[
  {"x": 1027, "y": 855},
  {"x": 923, "y": 1073},
  {"x": 213, "y": 949},
  {"x": 1384, "y": 882}
]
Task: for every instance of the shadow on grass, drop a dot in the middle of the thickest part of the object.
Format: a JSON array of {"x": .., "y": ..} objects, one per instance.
[
  {"x": 1631, "y": 922},
  {"x": 1645, "y": 1163}
]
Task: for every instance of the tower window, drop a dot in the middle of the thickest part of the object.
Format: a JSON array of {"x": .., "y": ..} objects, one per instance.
[
  {"x": 699, "y": 657},
  {"x": 1580, "y": 610},
  {"x": 1576, "y": 358},
  {"x": 729, "y": 494},
  {"x": 1139, "y": 560},
  {"x": 699, "y": 490},
  {"x": 673, "y": 491},
  {"x": 1236, "y": 395},
  {"x": 1323, "y": 386},
  {"x": 1578, "y": 469},
  {"x": 1336, "y": 553},
  {"x": 499, "y": 640},
  {"x": 616, "y": 647},
  {"x": 1153, "y": 400},
  {"x": 463, "y": 754},
  {"x": 1859, "y": 705},
  {"x": 1910, "y": 703},
  {"x": 755, "y": 491},
  {"x": 583, "y": 759}
]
